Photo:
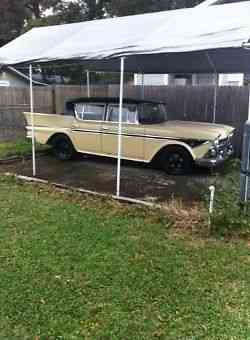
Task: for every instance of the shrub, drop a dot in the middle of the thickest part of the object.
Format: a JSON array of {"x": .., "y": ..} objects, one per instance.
[{"x": 230, "y": 215}]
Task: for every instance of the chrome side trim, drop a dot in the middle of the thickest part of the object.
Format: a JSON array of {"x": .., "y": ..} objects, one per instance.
[
  {"x": 105, "y": 132},
  {"x": 113, "y": 156}
]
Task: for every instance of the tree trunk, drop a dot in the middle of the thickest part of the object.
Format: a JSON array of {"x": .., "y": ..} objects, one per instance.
[{"x": 36, "y": 9}]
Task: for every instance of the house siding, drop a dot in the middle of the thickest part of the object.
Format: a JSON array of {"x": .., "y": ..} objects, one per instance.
[{"x": 11, "y": 80}]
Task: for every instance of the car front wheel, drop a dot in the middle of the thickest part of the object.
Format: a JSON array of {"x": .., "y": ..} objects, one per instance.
[{"x": 176, "y": 161}]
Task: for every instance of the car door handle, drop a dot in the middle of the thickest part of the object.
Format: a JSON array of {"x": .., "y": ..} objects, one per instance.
[{"x": 105, "y": 129}]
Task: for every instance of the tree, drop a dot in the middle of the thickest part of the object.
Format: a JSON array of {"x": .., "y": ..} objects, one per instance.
[
  {"x": 71, "y": 12},
  {"x": 94, "y": 9},
  {"x": 129, "y": 7},
  {"x": 63, "y": 12},
  {"x": 12, "y": 19},
  {"x": 37, "y": 7},
  {"x": 15, "y": 14}
]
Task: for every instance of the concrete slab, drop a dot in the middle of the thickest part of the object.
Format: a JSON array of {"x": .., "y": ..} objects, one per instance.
[{"x": 138, "y": 181}]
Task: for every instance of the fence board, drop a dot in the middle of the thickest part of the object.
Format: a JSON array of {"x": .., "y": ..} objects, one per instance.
[{"x": 63, "y": 93}]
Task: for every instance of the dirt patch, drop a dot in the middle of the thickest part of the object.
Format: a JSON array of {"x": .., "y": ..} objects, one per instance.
[{"x": 186, "y": 217}]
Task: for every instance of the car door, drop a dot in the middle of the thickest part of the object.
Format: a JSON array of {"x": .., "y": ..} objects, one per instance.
[
  {"x": 86, "y": 128},
  {"x": 132, "y": 132}
]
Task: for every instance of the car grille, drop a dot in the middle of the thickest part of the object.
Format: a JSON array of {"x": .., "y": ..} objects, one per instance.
[
  {"x": 225, "y": 142},
  {"x": 225, "y": 146}
]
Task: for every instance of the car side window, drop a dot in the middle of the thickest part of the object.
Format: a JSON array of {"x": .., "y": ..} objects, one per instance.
[
  {"x": 86, "y": 111},
  {"x": 150, "y": 113},
  {"x": 129, "y": 114}
]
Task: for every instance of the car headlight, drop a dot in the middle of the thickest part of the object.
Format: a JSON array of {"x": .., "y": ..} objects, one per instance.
[
  {"x": 214, "y": 149},
  {"x": 213, "y": 152},
  {"x": 216, "y": 142}
]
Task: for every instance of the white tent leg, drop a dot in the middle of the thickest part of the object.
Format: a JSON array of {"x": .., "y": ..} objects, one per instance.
[
  {"x": 248, "y": 156},
  {"x": 142, "y": 87},
  {"x": 118, "y": 184},
  {"x": 249, "y": 106},
  {"x": 32, "y": 121},
  {"x": 215, "y": 97},
  {"x": 88, "y": 83},
  {"x": 210, "y": 61}
]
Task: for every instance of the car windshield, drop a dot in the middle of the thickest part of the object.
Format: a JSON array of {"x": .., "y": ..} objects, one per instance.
[{"x": 150, "y": 113}]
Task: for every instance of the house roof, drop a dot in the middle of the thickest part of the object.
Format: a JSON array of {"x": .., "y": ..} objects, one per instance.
[{"x": 22, "y": 76}]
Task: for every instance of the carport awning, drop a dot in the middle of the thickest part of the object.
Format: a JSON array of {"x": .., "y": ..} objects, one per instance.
[{"x": 171, "y": 41}]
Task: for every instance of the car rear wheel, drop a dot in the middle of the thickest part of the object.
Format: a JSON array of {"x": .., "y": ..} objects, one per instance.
[
  {"x": 176, "y": 161},
  {"x": 63, "y": 148}
]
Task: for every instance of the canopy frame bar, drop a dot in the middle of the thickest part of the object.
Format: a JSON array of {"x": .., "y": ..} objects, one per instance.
[
  {"x": 249, "y": 105},
  {"x": 246, "y": 46},
  {"x": 88, "y": 83},
  {"x": 32, "y": 121},
  {"x": 142, "y": 86},
  {"x": 215, "y": 98},
  {"x": 119, "y": 151}
]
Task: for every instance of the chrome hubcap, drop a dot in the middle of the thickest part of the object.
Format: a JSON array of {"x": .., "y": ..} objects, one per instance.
[{"x": 176, "y": 161}]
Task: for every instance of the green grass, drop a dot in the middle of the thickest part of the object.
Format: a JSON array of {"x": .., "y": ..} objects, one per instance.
[
  {"x": 79, "y": 268},
  {"x": 20, "y": 147}
]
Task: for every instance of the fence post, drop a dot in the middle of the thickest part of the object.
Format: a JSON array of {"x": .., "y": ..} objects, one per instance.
[{"x": 53, "y": 93}]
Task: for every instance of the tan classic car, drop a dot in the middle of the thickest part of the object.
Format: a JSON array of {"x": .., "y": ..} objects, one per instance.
[{"x": 90, "y": 126}]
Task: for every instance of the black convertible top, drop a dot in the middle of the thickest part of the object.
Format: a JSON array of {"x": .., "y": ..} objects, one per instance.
[{"x": 70, "y": 103}]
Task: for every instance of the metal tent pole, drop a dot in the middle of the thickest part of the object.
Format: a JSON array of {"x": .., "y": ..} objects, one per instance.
[
  {"x": 118, "y": 184},
  {"x": 142, "y": 87},
  {"x": 32, "y": 121},
  {"x": 248, "y": 157},
  {"x": 88, "y": 83},
  {"x": 210, "y": 61},
  {"x": 249, "y": 105},
  {"x": 215, "y": 97}
]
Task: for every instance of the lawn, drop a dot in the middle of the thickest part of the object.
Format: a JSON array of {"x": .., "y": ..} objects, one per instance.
[
  {"x": 20, "y": 147},
  {"x": 74, "y": 267}
]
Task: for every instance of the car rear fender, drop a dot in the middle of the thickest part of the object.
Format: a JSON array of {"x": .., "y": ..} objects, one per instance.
[{"x": 51, "y": 140}]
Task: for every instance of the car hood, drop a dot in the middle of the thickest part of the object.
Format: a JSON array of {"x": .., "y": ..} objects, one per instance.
[{"x": 189, "y": 130}]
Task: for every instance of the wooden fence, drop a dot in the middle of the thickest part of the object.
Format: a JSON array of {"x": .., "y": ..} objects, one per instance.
[
  {"x": 13, "y": 102},
  {"x": 185, "y": 103}
]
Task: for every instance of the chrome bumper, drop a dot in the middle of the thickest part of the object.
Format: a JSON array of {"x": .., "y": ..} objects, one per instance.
[{"x": 214, "y": 162}]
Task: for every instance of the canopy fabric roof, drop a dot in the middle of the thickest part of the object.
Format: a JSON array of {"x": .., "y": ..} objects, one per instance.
[{"x": 188, "y": 40}]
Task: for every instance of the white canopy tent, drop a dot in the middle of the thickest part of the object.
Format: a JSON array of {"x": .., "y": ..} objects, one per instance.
[
  {"x": 200, "y": 40},
  {"x": 178, "y": 38}
]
